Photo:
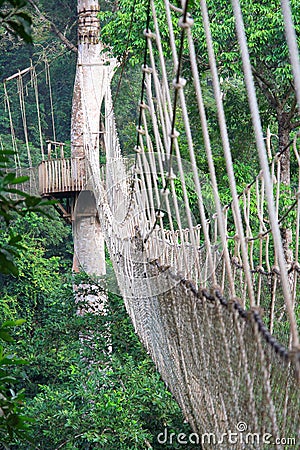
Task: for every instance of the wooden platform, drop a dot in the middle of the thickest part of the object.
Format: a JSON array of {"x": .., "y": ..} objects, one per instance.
[{"x": 61, "y": 177}]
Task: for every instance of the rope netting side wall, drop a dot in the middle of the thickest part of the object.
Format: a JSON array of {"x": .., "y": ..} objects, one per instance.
[
  {"x": 215, "y": 359},
  {"x": 210, "y": 288}
]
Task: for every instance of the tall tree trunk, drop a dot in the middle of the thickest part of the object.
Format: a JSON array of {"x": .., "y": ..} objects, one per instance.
[
  {"x": 88, "y": 238},
  {"x": 89, "y": 253},
  {"x": 285, "y": 175}
]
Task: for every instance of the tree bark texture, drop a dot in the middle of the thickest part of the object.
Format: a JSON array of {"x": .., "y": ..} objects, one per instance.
[
  {"x": 284, "y": 129},
  {"x": 89, "y": 90}
]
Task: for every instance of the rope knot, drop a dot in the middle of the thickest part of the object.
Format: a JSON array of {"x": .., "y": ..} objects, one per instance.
[
  {"x": 179, "y": 84},
  {"x": 260, "y": 269},
  {"x": 185, "y": 22},
  {"x": 175, "y": 134},
  {"x": 143, "y": 105},
  {"x": 235, "y": 261},
  {"x": 147, "y": 69},
  {"x": 149, "y": 34},
  {"x": 171, "y": 175},
  {"x": 140, "y": 130},
  {"x": 275, "y": 269}
]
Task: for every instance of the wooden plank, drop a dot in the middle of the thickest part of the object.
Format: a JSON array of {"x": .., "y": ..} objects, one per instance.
[
  {"x": 68, "y": 173},
  {"x": 56, "y": 185},
  {"x": 18, "y": 74},
  {"x": 63, "y": 175},
  {"x": 59, "y": 172},
  {"x": 41, "y": 179},
  {"x": 48, "y": 165}
]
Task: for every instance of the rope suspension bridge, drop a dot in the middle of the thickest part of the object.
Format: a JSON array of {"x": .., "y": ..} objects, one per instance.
[{"x": 212, "y": 289}]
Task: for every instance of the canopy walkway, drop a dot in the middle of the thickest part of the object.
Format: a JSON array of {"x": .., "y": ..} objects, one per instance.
[{"x": 212, "y": 290}]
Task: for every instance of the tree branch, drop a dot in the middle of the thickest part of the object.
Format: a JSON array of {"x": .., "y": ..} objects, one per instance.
[
  {"x": 63, "y": 38},
  {"x": 54, "y": 28},
  {"x": 293, "y": 109},
  {"x": 260, "y": 76},
  {"x": 290, "y": 90},
  {"x": 266, "y": 88}
]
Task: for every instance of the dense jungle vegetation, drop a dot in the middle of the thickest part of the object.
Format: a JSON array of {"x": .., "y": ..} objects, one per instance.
[{"x": 50, "y": 398}]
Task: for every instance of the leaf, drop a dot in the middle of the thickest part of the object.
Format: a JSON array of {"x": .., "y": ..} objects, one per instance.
[
  {"x": 11, "y": 360},
  {"x": 13, "y": 323},
  {"x": 12, "y": 179},
  {"x": 17, "y": 191},
  {"x": 5, "y": 336},
  {"x": 14, "y": 239},
  {"x": 21, "y": 28},
  {"x": 7, "y": 266}
]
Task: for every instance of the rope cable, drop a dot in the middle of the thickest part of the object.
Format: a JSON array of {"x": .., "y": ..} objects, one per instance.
[
  {"x": 23, "y": 115},
  {"x": 12, "y": 130},
  {"x": 292, "y": 44},
  {"x": 36, "y": 93},
  {"x": 264, "y": 165},
  {"x": 48, "y": 79}
]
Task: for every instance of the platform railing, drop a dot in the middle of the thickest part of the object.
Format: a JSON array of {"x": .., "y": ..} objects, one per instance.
[{"x": 61, "y": 175}]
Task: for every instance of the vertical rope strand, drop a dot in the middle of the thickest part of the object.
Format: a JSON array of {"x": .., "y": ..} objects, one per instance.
[{"x": 265, "y": 167}]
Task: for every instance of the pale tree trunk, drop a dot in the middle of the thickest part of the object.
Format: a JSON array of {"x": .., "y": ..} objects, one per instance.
[
  {"x": 87, "y": 98},
  {"x": 89, "y": 252},
  {"x": 285, "y": 177}
]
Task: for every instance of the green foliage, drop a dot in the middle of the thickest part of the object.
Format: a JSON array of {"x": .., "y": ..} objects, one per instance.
[
  {"x": 12, "y": 420},
  {"x": 127, "y": 23},
  {"x": 53, "y": 234},
  {"x": 118, "y": 21},
  {"x": 15, "y": 19},
  {"x": 83, "y": 397},
  {"x": 13, "y": 203}
]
